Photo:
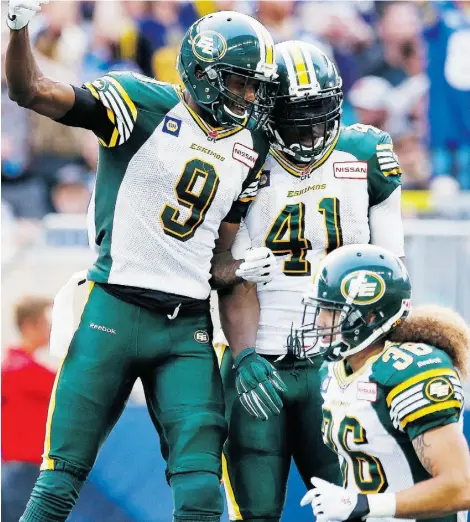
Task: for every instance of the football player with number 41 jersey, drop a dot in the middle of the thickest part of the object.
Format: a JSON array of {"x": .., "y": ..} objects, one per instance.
[
  {"x": 322, "y": 187},
  {"x": 177, "y": 171},
  {"x": 392, "y": 393}
]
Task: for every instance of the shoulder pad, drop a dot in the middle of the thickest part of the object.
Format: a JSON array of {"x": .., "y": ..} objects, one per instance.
[
  {"x": 363, "y": 141},
  {"x": 421, "y": 387},
  {"x": 145, "y": 92},
  {"x": 402, "y": 361}
]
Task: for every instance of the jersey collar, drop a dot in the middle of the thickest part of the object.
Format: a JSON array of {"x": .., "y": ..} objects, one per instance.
[
  {"x": 344, "y": 380},
  {"x": 213, "y": 133},
  {"x": 297, "y": 170}
]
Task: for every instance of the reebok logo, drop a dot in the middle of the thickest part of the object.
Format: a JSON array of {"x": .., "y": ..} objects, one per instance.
[
  {"x": 102, "y": 328},
  {"x": 435, "y": 360}
]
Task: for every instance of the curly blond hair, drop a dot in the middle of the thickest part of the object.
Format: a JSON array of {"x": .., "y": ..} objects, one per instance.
[{"x": 441, "y": 327}]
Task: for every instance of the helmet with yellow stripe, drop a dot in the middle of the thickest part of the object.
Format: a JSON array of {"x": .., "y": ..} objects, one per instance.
[
  {"x": 228, "y": 66},
  {"x": 306, "y": 117}
]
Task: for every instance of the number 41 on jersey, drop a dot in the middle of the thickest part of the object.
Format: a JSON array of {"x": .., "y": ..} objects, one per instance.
[{"x": 287, "y": 235}]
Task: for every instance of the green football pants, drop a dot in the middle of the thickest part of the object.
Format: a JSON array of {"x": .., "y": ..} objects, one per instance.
[
  {"x": 257, "y": 454},
  {"x": 115, "y": 344}
]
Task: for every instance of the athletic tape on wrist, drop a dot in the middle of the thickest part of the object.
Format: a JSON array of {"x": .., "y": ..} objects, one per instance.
[{"x": 382, "y": 505}]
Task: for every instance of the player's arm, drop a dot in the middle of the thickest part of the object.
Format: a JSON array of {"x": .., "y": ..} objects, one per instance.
[
  {"x": 239, "y": 316},
  {"x": 442, "y": 451},
  {"x": 238, "y": 303},
  {"x": 445, "y": 455},
  {"x": 224, "y": 266},
  {"x": 28, "y": 86},
  {"x": 257, "y": 381},
  {"x": 255, "y": 265},
  {"x": 62, "y": 102},
  {"x": 384, "y": 183},
  {"x": 431, "y": 422}
]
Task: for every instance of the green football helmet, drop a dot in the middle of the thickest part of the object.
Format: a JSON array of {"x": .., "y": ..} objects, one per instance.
[
  {"x": 219, "y": 47},
  {"x": 306, "y": 117},
  {"x": 367, "y": 291}
]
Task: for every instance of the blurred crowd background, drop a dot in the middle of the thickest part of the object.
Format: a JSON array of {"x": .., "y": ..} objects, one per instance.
[
  {"x": 404, "y": 65},
  {"x": 405, "y": 69}
]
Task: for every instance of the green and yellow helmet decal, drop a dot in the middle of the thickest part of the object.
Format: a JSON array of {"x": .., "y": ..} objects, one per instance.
[
  {"x": 363, "y": 287},
  {"x": 225, "y": 43}
]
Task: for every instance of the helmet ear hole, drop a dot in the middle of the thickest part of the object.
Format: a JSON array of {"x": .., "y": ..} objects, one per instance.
[{"x": 199, "y": 72}]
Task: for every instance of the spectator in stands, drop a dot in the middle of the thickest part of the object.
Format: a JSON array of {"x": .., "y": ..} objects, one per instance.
[
  {"x": 340, "y": 28},
  {"x": 447, "y": 36},
  {"x": 26, "y": 388},
  {"x": 71, "y": 192},
  {"x": 279, "y": 18},
  {"x": 370, "y": 97},
  {"x": 414, "y": 160},
  {"x": 399, "y": 52},
  {"x": 164, "y": 27},
  {"x": 60, "y": 45},
  {"x": 115, "y": 43},
  {"x": 25, "y": 193}
]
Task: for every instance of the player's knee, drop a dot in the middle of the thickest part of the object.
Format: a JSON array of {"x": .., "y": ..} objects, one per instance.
[
  {"x": 53, "y": 496},
  {"x": 197, "y": 497}
]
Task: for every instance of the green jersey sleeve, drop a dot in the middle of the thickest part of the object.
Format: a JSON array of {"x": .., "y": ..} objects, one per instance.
[
  {"x": 125, "y": 95},
  {"x": 250, "y": 186},
  {"x": 422, "y": 388},
  {"x": 374, "y": 146},
  {"x": 384, "y": 172}
]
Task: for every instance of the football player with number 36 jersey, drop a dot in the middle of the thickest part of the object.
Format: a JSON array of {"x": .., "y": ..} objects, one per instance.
[
  {"x": 177, "y": 171},
  {"x": 392, "y": 393},
  {"x": 322, "y": 187}
]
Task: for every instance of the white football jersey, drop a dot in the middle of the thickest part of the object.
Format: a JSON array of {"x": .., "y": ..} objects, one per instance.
[
  {"x": 165, "y": 182},
  {"x": 371, "y": 416},
  {"x": 350, "y": 196}
]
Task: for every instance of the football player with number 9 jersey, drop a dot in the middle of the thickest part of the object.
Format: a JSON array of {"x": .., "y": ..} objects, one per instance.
[
  {"x": 322, "y": 187},
  {"x": 177, "y": 171}
]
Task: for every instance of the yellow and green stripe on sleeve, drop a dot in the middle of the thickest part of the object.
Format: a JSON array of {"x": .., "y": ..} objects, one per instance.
[{"x": 122, "y": 111}]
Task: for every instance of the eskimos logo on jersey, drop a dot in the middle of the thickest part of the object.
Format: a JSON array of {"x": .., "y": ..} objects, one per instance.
[
  {"x": 172, "y": 126},
  {"x": 350, "y": 169},
  {"x": 244, "y": 155},
  {"x": 363, "y": 286},
  {"x": 201, "y": 337},
  {"x": 439, "y": 389},
  {"x": 209, "y": 46}
]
